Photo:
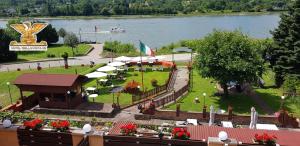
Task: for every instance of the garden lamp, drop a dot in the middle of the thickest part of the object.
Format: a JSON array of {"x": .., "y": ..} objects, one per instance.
[
  {"x": 8, "y": 85},
  {"x": 282, "y": 100},
  {"x": 204, "y": 95}
]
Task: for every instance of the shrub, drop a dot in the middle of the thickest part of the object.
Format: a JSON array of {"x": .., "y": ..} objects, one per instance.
[
  {"x": 132, "y": 87},
  {"x": 50, "y": 55},
  {"x": 154, "y": 83}
]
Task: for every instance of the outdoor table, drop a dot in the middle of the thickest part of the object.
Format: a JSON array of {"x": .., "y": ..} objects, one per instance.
[
  {"x": 103, "y": 81},
  {"x": 227, "y": 124},
  {"x": 266, "y": 127},
  {"x": 112, "y": 75},
  {"x": 93, "y": 96},
  {"x": 192, "y": 121},
  {"x": 215, "y": 141},
  {"x": 91, "y": 89},
  {"x": 180, "y": 123}
]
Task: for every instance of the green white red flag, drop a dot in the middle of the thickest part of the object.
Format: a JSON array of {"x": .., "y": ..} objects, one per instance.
[{"x": 146, "y": 49}]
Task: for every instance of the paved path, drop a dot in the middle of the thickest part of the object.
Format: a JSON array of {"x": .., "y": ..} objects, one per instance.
[{"x": 94, "y": 55}]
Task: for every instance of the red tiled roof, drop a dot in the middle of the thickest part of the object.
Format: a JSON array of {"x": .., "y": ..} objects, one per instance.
[
  {"x": 288, "y": 138},
  {"x": 245, "y": 135},
  {"x": 116, "y": 130},
  {"x": 65, "y": 80}
]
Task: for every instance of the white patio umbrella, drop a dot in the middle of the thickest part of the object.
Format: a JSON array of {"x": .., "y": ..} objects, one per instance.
[
  {"x": 255, "y": 119},
  {"x": 123, "y": 58},
  {"x": 211, "y": 115},
  {"x": 157, "y": 58},
  {"x": 251, "y": 126},
  {"x": 96, "y": 75},
  {"x": 106, "y": 69},
  {"x": 138, "y": 59},
  {"x": 116, "y": 64}
]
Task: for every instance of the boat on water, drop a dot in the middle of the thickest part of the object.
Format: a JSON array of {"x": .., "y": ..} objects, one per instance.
[{"x": 117, "y": 30}]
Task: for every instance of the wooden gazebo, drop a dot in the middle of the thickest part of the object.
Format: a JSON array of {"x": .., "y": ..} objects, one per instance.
[{"x": 63, "y": 91}]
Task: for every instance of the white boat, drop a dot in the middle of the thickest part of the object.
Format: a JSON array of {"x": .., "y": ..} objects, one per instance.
[{"x": 117, "y": 30}]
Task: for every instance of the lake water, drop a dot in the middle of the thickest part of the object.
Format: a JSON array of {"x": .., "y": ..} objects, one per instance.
[{"x": 157, "y": 32}]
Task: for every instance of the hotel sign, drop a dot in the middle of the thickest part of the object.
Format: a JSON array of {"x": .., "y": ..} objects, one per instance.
[{"x": 28, "y": 40}]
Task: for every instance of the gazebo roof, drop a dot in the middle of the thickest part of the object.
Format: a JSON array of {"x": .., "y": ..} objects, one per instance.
[{"x": 62, "y": 80}]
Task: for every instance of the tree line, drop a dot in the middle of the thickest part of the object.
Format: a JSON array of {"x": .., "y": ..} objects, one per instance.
[{"x": 134, "y": 7}]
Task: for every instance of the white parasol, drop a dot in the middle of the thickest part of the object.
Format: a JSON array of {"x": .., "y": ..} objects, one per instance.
[
  {"x": 96, "y": 75},
  {"x": 106, "y": 69},
  {"x": 138, "y": 59},
  {"x": 116, "y": 64},
  {"x": 123, "y": 58},
  {"x": 211, "y": 115}
]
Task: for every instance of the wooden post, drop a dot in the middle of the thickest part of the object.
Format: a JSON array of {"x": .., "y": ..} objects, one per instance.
[
  {"x": 177, "y": 110},
  {"x": 230, "y": 113},
  {"x": 21, "y": 94}
]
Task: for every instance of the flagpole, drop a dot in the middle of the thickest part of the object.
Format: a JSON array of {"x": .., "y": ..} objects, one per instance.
[{"x": 142, "y": 70}]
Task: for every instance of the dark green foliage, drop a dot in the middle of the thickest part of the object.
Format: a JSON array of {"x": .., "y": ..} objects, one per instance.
[
  {"x": 72, "y": 41},
  {"x": 5, "y": 54},
  {"x": 62, "y": 32},
  {"x": 133, "y": 7},
  {"x": 48, "y": 34},
  {"x": 285, "y": 54},
  {"x": 230, "y": 56}
]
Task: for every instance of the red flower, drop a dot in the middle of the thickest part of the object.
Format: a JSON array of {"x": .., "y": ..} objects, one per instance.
[
  {"x": 33, "y": 124},
  {"x": 129, "y": 129},
  {"x": 180, "y": 133}
]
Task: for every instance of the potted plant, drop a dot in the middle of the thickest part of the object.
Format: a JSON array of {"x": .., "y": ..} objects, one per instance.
[
  {"x": 265, "y": 139},
  {"x": 35, "y": 124},
  {"x": 60, "y": 125},
  {"x": 180, "y": 133},
  {"x": 129, "y": 130}
]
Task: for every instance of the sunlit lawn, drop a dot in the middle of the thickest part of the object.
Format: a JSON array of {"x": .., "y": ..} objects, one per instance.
[
  {"x": 125, "y": 99},
  {"x": 55, "y": 49},
  {"x": 271, "y": 95},
  {"x": 11, "y": 76},
  {"x": 241, "y": 104}
]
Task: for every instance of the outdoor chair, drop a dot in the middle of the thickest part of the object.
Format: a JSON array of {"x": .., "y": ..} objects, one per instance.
[
  {"x": 154, "y": 69},
  {"x": 137, "y": 69},
  {"x": 161, "y": 68}
]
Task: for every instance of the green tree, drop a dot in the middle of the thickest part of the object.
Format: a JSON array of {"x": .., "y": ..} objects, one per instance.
[
  {"x": 229, "y": 56},
  {"x": 62, "y": 33},
  {"x": 48, "y": 34},
  {"x": 5, "y": 54},
  {"x": 285, "y": 54},
  {"x": 71, "y": 40}
]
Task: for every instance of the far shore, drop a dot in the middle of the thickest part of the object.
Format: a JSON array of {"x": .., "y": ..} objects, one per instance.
[{"x": 146, "y": 16}]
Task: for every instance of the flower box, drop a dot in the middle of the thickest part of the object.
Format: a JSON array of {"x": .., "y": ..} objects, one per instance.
[
  {"x": 43, "y": 137},
  {"x": 112, "y": 140}
]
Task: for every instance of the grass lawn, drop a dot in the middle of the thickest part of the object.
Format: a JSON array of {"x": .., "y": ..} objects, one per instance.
[
  {"x": 55, "y": 49},
  {"x": 11, "y": 76},
  {"x": 271, "y": 95},
  {"x": 241, "y": 104},
  {"x": 125, "y": 99}
]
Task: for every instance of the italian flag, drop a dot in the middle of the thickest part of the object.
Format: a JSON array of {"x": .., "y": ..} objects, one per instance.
[{"x": 146, "y": 50}]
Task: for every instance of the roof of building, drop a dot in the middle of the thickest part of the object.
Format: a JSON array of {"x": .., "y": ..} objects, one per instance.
[
  {"x": 244, "y": 135},
  {"x": 62, "y": 80}
]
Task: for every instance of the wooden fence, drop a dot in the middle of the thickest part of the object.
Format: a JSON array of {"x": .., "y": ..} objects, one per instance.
[
  {"x": 155, "y": 91},
  {"x": 172, "y": 97},
  {"x": 149, "y": 93}
]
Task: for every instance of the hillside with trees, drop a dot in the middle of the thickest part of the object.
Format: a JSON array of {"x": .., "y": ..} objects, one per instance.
[{"x": 134, "y": 7}]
